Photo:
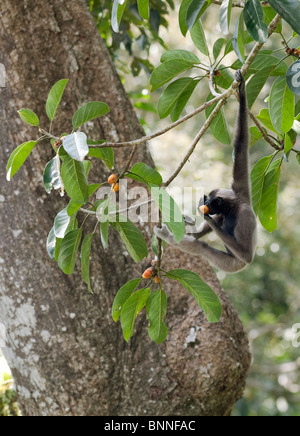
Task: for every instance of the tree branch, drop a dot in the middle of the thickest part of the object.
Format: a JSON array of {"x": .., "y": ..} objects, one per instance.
[
  {"x": 223, "y": 100},
  {"x": 205, "y": 126},
  {"x": 159, "y": 132},
  {"x": 263, "y": 132}
]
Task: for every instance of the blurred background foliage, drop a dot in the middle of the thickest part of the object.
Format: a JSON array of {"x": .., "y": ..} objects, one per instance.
[{"x": 266, "y": 294}]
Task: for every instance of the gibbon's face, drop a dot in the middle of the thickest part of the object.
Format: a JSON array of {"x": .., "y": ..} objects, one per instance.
[{"x": 220, "y": 201}]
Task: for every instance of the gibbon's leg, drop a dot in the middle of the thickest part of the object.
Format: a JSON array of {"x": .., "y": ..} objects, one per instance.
[
  {"x": 224, "y": 261},
  {"x": 227, "y": 239}
]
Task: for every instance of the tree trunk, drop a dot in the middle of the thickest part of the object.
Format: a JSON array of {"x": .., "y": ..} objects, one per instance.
[{"x": 67, "y": 355}]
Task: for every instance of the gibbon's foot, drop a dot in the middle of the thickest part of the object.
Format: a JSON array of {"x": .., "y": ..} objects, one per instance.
[
  {"x": 189, "y": 221},
  {"x": 165, "y": 234},
  {"x": 238, "y": 76}
]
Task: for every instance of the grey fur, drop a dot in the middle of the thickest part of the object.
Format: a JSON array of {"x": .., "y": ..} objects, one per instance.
[{"x": 232, "y": 217}]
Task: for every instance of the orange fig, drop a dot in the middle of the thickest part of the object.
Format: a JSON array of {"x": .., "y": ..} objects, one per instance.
[
  {"x": 112, "y": 179},
  {"x": 148, "y": 274},
  {"x": 204, "y": 209},
  {"x": 116, "y": 187}
]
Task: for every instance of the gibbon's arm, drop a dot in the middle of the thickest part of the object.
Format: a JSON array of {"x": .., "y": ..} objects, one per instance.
[
  {"x": 235, "y": 221},
  {"x": 206, "y": 228},
  {"x": 241, "y": 178}
]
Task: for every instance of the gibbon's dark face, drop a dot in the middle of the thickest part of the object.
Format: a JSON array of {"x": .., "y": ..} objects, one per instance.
[{"x": 219, "y": 201}]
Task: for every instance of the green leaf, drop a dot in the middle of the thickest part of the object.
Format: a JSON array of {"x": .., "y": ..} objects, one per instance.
[
  {"x": 51, "y": 243},
  {"x": 203, "y": 294},
  {"x": 194, "y": 12},
  {"x": 93, "y": 188},
  {"x": 281, "y": 104},
  {"x": 265, "y": 119},
  {"x": 256, "y": 84},
  {"x": 170, "y": 96},
  {"x": 104, "y": 232},
  {"x": 132, "y": 307},
  {"x": 218, "y": 45},
  {"x": 73, "y": 224},
  {"x": 171, "y": 213},
  {"x": 29, "y": 117},
  {"x": 54, "y": 98},
  {"x": 85, "y": 259},
  {"x": 51, "y": 177},
  {"x": 105, "y": 154},
  {"x": 122, "y": 296},
  {"x": 18, "y": 157},
  {"x": 238, "y": 39},
  {"x": 117, "y": 14},
  {"x": 289, "y": 11},
  {"x": 268, "y": 207},
  {"x": 57, "y": 248},
  {"x": 132, "y": 238},
  {"x": 61, "y": 223},
  {"x": 183, "y": 99},
  {"x": 168, "y": 70},
  {"x": 73, "y": 207},
  {"x": 226, "y": 79},
  {"x": 228, "y": 47},
  {"x": 156, "y": 307},
  {"x": 225, "y": 16},
  {"x": 254, "y": 20},
  {"x": 263, "y": 60},
  {"x": 75, "y": 181},
  {"x": 288, "y": 144},
  {"x": 68, "y": 251},
  {"x": 219, "y": 126},
  {"x": 143, "y": 7},
  {"x": 182, "y": 16},
  {"x": 180, "y": 54},
  {"x": 257, "y": 180},
  {"x": 198, "y": 37},
  {"x": 255, "y": 135},
  {"x": 87, "y": 165},
  {"x": 145, "y": 174},
  {"x": 89, "y": 112},
  {"x": 269, "y": 16}
]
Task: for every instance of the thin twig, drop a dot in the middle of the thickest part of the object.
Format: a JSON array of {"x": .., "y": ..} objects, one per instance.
[
  {"x": 211, "y": 83},
  {"x": 116, "y": 212},
  {"x": 223, "y": 100},
  {"x": 131, "y": 157},
  {"x": 272, "y": 26},
  {"x": 263, "y": 132},
  {"x": 159, "y": 132},
  {"x": 204, "y": 128}
]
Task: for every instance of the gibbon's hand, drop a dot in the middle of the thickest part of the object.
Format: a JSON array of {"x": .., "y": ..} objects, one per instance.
[{"x": 165, "y": 234}]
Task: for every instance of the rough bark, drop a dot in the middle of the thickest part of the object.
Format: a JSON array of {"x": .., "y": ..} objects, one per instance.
[{"x": 67, "y": 355}]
